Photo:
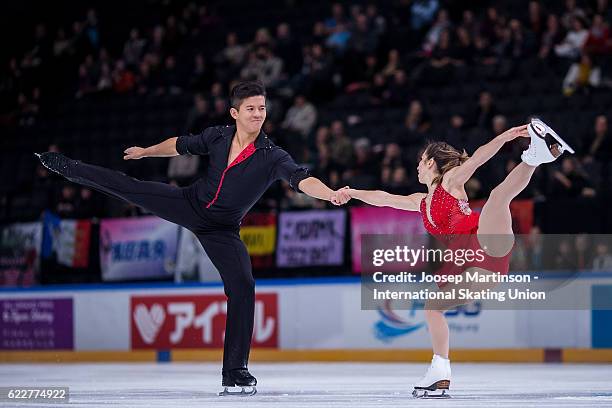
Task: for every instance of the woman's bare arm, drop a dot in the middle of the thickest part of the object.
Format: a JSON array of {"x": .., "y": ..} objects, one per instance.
[
  {"x": 167, "y": 148},
  {"x": 461, "y": 174},
  {"x": 379, "y": 198}
]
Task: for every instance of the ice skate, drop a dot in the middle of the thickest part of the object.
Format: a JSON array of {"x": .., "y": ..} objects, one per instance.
[
  {"x": 436, "y": 382},
  {"x": 57, "y": 163},
  {"x": 238, "y": 378},
  {"x": 546, "y": 145}
]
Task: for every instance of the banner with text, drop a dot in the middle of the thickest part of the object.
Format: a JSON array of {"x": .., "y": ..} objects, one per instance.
[
  {"x": 258, "y": 232},
  {"x": 195, "y": 321},
  {"x": 137, "y": 248},
  {"x": 19, "y": 254},
  {"x": 36, "y": 324},
  {"x": 311, "y": 238}
]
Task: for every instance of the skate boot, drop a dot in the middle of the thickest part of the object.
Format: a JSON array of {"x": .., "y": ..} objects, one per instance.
[
  {"x": 436, "y": 382},
  {"x": 58, "y": 163},
  {"x": 546, "y": 145},
  {"x": 239, "y": 377}
]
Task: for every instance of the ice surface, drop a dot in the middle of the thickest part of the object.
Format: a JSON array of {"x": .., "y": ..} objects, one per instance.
[{"x": 316, "y": 385}]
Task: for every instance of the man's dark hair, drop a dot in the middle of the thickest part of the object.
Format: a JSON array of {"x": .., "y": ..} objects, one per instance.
[{"x": 245, "y": 90}]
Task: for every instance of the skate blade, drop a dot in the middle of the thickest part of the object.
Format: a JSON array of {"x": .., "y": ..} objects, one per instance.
[
  {"x": 542, "y": 129},
  {"x": 241, "y": 393},
  {"x": 427, "y": 394}
]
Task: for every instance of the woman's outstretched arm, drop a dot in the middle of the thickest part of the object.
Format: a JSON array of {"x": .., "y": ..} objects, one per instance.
[
  {"x": 379, "y": 198},
  {"x": 461, "y": 174}
]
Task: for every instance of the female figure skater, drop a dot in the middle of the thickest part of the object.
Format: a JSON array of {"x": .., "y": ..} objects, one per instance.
[{"x": 447, "y": 215}]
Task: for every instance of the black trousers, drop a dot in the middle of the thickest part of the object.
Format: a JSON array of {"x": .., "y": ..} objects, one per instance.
[{"x": 224, "y": 247}]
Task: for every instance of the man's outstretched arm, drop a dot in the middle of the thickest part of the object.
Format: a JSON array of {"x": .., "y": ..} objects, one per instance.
[
  {"x": 314, "y": 187},
  {"x": 167, "y": 148}
]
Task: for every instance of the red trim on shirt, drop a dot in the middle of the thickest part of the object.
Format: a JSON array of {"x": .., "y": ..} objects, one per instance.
[{"x": 244, "y": 154}]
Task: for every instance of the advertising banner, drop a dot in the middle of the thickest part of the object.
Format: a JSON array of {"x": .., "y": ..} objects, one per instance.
[
  {"x": 195, "y": 321},
  {"x": 36, "y": 324},
  {"x": 382, "y": 221},
  {"x": 311, "y": 238},
  {"x": 258, "y": 232},
  {"x": 137, "y": 248},
  {"x": 67, "y": 240},
  {"x": 192, "y": 261},
  {"x": 19, "y": 254}
]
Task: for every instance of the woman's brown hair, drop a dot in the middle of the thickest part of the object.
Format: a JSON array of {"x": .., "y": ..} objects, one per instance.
[{"x": 445, "y": 156}]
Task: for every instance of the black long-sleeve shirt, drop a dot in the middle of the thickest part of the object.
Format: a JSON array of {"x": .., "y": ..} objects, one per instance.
[{"x": 227, "y": 193}]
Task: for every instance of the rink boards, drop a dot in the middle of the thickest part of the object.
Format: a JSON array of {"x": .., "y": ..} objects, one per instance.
[{"x": 295, "y": 320}]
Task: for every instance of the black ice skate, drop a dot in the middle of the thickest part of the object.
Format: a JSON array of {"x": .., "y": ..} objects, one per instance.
[
  {"x": 58, "y": 163},
  {"x": 239, "y": 377}
]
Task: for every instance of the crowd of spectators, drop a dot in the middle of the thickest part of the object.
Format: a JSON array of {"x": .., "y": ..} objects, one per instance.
[{"x": 349, "y": 52}]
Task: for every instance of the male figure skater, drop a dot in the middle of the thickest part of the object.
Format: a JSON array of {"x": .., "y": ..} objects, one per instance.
[{"x": 243, "y": 163}]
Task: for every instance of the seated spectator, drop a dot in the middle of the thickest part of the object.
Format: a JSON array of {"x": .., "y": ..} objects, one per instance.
[
  {"x": 301, "y": 117},
  {"x": 198, "y": 117},
  {"x": 581, "y": 76},
  {"x": 598, "y": 41},
  {"x": 570, "y": 181},
  {"x": 598, "y": 145},
  {"x": 572, "y": 44},
  {"x": 433, "y": 35},
  {"x": 123, "y": 79},
  {"x": 341, "y": 146},
  {"x": 484, "y": 112},
  {"x": 603, "y": 258},
  {"x": 133, "y": 49},
  {"x": 551, "y": 37}
]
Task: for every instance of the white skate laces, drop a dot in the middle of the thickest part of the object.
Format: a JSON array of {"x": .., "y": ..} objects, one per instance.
[
  {"x": 539, "y": 150},
  {"x": 436, "y": 381}
]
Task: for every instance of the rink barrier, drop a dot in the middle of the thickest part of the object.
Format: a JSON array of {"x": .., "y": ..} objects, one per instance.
[{"x": 357, "y": 355}]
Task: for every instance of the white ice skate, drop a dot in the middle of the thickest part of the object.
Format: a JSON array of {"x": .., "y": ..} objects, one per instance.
[
  {"x": 546, "y": 145},
  {"x": 436, "y": 382}
]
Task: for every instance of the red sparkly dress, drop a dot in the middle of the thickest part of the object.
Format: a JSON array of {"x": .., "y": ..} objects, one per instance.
[{"x": 455, "y": 226}]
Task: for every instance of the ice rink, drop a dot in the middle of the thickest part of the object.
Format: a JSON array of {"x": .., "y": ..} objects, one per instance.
[{"x": 316, "y": 385}]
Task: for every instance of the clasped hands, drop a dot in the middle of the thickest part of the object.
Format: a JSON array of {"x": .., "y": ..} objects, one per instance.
[{"x": 341, "y": 196}]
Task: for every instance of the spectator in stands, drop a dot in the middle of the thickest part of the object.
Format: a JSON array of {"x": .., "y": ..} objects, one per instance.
[
  {"x": 422, "y": 13},
  {"x": 170, "y": 78},
  {"x": 393, "y": 64},
  {"x": 417, "y": 120},
  {"x": 339, "y": 38},
  {"x": 551, "y": 37},
  {"x": 399, "y": 90},
  {"x": 581, "y": 76},
  {"x": 535, "y": 19},
  {"x": 198, "y": 117},
  {"x": 133, "y": 49},
  {"x": 485, "y": 111},
  {"x": 598, "y": 146},
  {"x": 201, "y": 76},
  {"x": 233, "y": 54},
  {"x": 301, "y": 117},
  {"x": 570, "y": 181},
  {"x": 87, "y": 204},
  {"x": 67, "y": 204},
  {"x": 123, "y": 78},
  {"x": 433, "y": 35},
  {"x": 341, "y": 146},
  {"x": 363, "y": 40},
  {"x": 598, "y": 42},
  {"x": 572, "y": 11},
  {"x": 603, "y": 258},
  {"x": 288, "y": 49},
  {"x": 572, "y": 44}
]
